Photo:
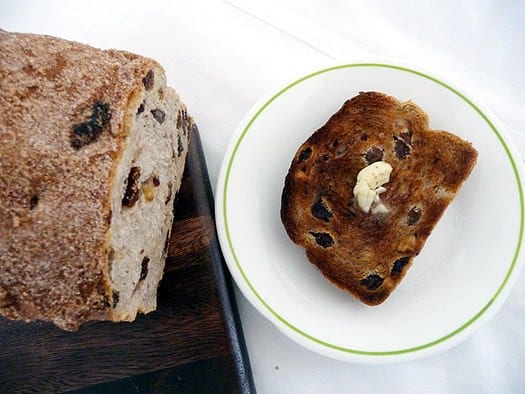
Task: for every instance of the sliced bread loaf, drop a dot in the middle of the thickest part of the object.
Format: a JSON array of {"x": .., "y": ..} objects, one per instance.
[{"x": 92, "y": 152}]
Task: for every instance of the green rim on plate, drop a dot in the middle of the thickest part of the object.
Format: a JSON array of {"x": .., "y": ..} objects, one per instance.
[{"x": 356, "y": 351}]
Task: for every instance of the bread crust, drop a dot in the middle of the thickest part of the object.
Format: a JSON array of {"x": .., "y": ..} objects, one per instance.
[
  {"x": 64, "y": 115},
  {"x": 369, "y": 254}
]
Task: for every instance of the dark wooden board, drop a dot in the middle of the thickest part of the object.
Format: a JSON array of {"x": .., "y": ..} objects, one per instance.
[{"x": 193, "y": 342}]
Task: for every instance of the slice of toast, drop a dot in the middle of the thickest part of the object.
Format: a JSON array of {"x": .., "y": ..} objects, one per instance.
[{"x": 368, "y": 254}]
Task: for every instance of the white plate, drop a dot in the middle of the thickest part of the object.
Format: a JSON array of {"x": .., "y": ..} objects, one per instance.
[{"x": 465, "y": 270}]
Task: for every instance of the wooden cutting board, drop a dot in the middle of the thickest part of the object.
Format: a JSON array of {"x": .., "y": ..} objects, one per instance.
[{"x": 192, "y": 343}]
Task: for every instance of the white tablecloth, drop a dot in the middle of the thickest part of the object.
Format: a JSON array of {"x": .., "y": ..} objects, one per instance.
[{"x": 221, "y": 56}]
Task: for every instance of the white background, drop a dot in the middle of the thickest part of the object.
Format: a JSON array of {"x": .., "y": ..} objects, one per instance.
[{"x": 222, "y": 56}]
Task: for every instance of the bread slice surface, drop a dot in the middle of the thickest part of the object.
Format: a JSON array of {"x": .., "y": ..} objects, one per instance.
[{"x": 368, "y": 254}]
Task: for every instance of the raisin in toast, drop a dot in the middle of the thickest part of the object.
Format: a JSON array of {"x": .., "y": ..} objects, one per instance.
[{"x": 368, "y": 254}]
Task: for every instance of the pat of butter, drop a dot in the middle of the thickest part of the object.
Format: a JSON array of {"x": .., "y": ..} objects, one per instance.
[{"x": 369, "y": 186}]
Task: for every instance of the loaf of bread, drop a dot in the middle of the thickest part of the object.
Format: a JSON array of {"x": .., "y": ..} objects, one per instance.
[
  {"x": 365, "y": 243},
  {"x": 92, "y": 150}
]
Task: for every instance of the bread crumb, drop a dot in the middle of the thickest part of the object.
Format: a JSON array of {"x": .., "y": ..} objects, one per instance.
[{"x": 149, "y": 194}]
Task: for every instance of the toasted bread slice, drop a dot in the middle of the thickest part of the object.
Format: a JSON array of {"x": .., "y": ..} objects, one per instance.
[{"x": 368, "y": 254}]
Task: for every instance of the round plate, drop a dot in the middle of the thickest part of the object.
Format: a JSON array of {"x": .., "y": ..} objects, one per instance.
[{"x": 464, "y": 272}]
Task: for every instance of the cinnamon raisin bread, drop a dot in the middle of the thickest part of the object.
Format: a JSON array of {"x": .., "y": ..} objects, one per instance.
[
  {"x": 364, "y": 192},
  {"x": 93, "y": 146}
]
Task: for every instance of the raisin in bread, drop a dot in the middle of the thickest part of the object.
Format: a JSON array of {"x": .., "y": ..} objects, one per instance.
[
  {"x": 92, "y": 152},
  {"x": 368, "y": 254}
]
